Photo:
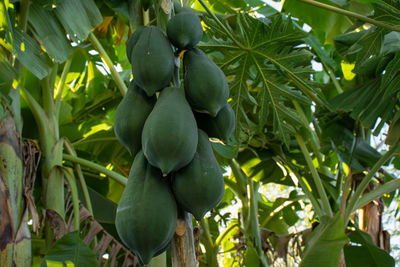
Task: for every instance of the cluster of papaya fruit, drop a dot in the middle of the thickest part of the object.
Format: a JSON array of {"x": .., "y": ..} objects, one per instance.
[{"x": 174, "y": 165}]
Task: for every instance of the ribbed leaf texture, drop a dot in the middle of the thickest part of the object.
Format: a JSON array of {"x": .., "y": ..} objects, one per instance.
[{"x": 264, "y": 62}]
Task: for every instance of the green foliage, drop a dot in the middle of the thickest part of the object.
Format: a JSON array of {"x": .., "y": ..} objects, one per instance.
[
  {"x": 70, "y": 249},
  {"x": 325, "y": 243},
  {"x": 277, "y": 91},
  {"x": 324, "y": 23},
  {"x": 263, "y": 65},
  {"x": 365, "y": 253},
  {"x": 45, "y": 24}
]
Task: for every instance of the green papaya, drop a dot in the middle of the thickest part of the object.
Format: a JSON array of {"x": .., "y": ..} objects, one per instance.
[
  {"x": 169, "y": 137},
  {"x": 130, "y": 117},
  {"x": 130, "y": 44},
  {"x": 152, "y": 60},
  {"x": 221, "y": 126},
  {"x": 199, "y": 186},
  {"x": 147, "y": 212},
  {"x": 206, "y": 87},
  {"x": 184, "y": 30}
]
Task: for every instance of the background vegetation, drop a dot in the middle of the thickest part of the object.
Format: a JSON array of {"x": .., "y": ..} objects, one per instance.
[{"x": 312, "y": 86}]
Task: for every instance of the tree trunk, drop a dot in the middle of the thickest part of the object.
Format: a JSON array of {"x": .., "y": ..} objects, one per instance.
[
  {"x": 370, "y": 221},
  {"x": 182, "y": 245},
  {"x": 15, "y": 239}
]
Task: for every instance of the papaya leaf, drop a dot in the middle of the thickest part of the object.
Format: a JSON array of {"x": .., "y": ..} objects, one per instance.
[
  {"x": 366, "y": 253},
  {"x": 223, "y": 6},
  {"x": 393, "y": 135},
  {"x": 387, "y": 11},
  {"x": 260, "y": 166},
  {"x": 324, "y": 22},
  {"x": 263, "y": 63},
  {"x": 371, "y": 45},
  {"x": 363, "y": 155},
  {"x": 366, "y": 103},
  {"x": 324, "y": 245},
  {"x": 70, "y": 249}
]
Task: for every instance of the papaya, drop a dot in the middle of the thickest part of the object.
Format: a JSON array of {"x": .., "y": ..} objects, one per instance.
[
  {"x": 206, "y": 87},
  {"x": 184, "y": 30},
  {"x": 152, "y": 60},
  {"x": 147, "y": 212},
  {"x": 199, "y": 186},
  {"x": 130, "y": 117},
  {"x": 221, "y": 126},
  {"x": 130, "y": 44},
  {"x": 169, "y": 137}
]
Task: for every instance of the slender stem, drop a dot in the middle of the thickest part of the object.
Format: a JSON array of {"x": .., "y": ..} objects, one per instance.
[
  {"x": 47, "y": 92},
  {"x": 377, "y": 192},
  {"x": 228, "y": 32},
  {"x": 42, "y": 122},
  {"x": 69, "y": 176},
  {"x": 314, "y": 139},
  {"x": 255, "y": 229},
  {"x": 351, "y": 14},
  {"x": 339, "y": 179},
  {"x": 211, "y": 252},
  {"x": 204, "y": 226},
  {"x": 235, "y": 188},
  {"x": 242, "y": 181},
  {"x": 241, "y": 178},
  {"x": 345, "y": 191},
  {"x": 61, "y": 84},
  {"x": 224, "y": 234},
  {"x": 364, "y": 183},
  {"x": 317, "y": 180},
  {"x": 103, "y": 54},
  {"x": 71, "y": 151},
  {"x": 113, "y": 175},
  {"x": 304, "y": 186},
  {"x": 335, "y": 82},
  {"x": 94, "y": 140}
]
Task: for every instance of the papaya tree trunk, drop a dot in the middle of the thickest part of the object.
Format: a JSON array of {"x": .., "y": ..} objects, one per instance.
[
  {"x": 183, "y": 253},
  {"x": 15, "y": 239},
  {"x": 370, "y": 221}
]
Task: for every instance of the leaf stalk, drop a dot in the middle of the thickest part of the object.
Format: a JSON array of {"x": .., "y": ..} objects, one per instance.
[
  {"x": 103, "y": 54},
  {"x": 113, "y": 175},
  {"x": 317, "y": 179},
  {"x": 351, "y": 14}
]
